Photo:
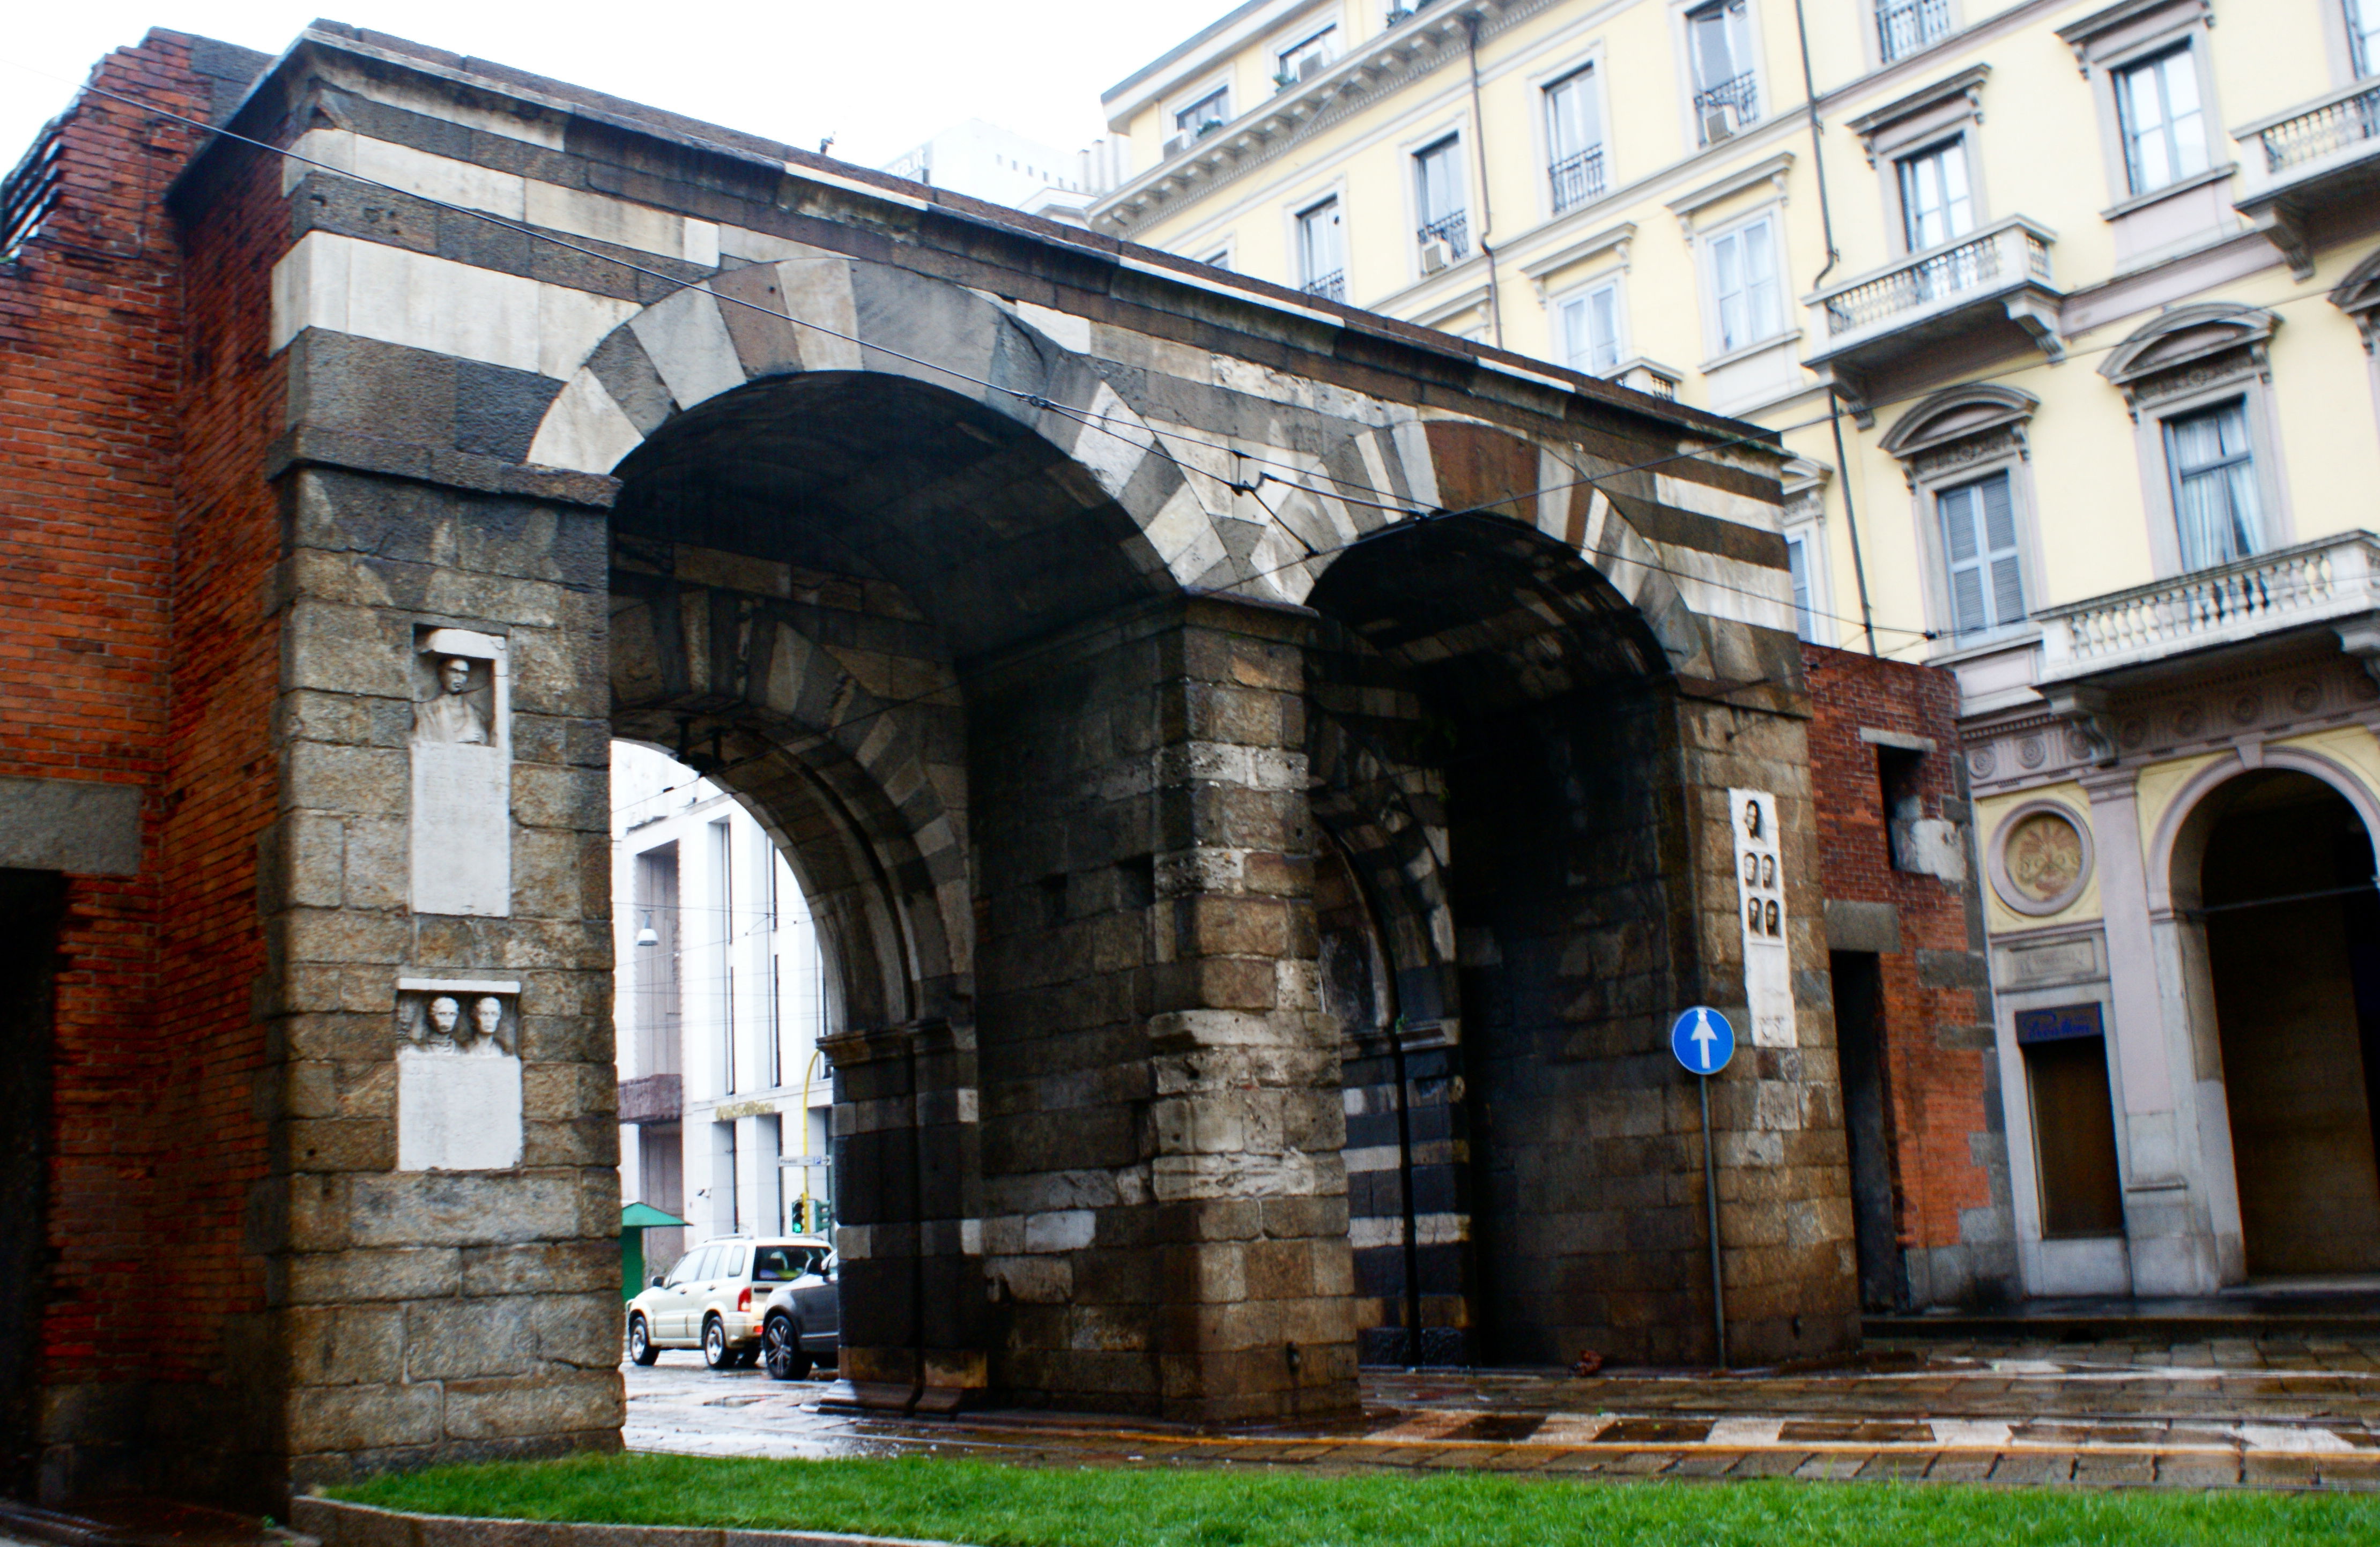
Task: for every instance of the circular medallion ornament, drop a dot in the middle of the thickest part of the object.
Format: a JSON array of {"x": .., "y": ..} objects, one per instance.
[
  {"x": 1981, "y": 762},
  {"x": 2246, "y": 708},
  {"x": 2186, "y": 723},
  {"x": 2029, "y": 751},
  {"x": 2042, "y": 859},
  {"x": 2306, "y": 697},
  {"x": 2135, "y": 732}
]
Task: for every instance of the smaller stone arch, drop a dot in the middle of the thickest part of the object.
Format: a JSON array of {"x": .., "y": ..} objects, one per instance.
[{"x": 839, "y": 777}]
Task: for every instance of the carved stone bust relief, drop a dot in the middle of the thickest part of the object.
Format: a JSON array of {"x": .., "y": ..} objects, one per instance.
[{"x": 450, "y": 714}]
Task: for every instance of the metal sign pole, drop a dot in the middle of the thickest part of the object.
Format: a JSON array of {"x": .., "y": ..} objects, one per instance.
[
  {"x": 1702, "y": 1043},
  {"x": 1710, "y": 1195}
]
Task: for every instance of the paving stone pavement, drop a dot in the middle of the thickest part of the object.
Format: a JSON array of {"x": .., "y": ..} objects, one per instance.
[{"x": 2270, "y": 1411}]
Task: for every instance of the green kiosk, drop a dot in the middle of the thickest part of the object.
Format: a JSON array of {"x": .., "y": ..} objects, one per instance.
[{"x": 635, "y": 1220}]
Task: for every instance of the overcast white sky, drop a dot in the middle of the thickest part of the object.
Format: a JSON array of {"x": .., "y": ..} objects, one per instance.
[{"x": 880, "y": 77}]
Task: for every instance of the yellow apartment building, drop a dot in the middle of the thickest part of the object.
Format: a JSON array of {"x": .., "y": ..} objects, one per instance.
[{"x": 2066, "y": 310}]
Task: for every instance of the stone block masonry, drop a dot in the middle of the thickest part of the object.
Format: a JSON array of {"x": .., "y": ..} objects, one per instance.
[{"x": 1166, "y": 1223}]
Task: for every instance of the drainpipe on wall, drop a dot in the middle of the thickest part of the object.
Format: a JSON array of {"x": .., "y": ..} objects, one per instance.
[
  {"x": 1834, "y": 403},
  {"x": 1487, "y": 209}
]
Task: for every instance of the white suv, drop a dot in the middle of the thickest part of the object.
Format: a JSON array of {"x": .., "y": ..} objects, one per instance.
[{"x": 716, "y": 1297}]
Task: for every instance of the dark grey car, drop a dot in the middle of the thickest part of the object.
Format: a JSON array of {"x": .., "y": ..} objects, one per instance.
[{"x": 803, "y": 1323}]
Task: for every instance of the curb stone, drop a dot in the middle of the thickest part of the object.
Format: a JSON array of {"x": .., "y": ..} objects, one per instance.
[{"x": 338, "y": 1524}]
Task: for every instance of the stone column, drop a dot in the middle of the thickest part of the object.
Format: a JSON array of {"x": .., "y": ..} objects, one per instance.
[
  {"x": 1166, "y": 1223},
  {"x": 2167, "y": 1223},
  {"x": 1249, "y": 1190},
  {"x": 1785, "y": 1209},
  {"x": 443, "y": 1210},
  {"x": 908, "y": 1220}
]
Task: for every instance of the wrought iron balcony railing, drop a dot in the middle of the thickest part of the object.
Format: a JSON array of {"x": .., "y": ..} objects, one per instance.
[
  {"x": 1331, "y": 287},
  {"x": 1454, "y": 230},
  {"x": 2312, "y": 582},
  {"x": 1728, "y": 106},
  {"x": 1578, "y": 179},
  {"x": 1902, "y": 27}
]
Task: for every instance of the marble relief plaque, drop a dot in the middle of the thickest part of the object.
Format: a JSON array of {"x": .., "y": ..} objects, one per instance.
[
  {"x": 462, "y": 774},
  {"x": 2045, "y": 856},
  {"x": 458, "y": 1075}
]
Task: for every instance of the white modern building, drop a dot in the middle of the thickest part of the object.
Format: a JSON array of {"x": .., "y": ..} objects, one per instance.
[
  {"x": 1000, "y": 166},
  {"x": 724, "y": 1097}
]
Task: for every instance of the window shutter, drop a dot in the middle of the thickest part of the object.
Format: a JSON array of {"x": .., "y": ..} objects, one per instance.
[
  {"x": 1797, "y": 565},
  {"x": 1999, "y": 541},
  {"x": 1979, "y": 550},
  {"x": 1960, "y": 548}
]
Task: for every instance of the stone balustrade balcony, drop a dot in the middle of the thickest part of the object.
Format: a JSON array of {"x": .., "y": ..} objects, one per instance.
[
  {"x": 2317, "y": 157},
  {"x": 2331, "y": 581},
  {"x": 1985, "y": 279}
]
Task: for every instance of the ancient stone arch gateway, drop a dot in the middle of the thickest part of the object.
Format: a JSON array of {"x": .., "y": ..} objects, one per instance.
[{"x": 1263, "y": 773}]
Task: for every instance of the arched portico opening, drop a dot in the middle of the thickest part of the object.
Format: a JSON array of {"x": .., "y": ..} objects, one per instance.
[
  {"x": 1493, "y": 731},
  {"x": 2273, "y": 868},
  {"x": 934, "y": 636}
]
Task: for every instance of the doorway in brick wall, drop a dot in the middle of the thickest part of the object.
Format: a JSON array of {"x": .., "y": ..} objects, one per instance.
[
  {"x": 32, "y": 903},
  {"x": 1860, "y": 1031}
]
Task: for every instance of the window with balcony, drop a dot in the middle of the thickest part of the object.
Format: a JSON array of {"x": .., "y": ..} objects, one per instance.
[
  {"x": 1321, "y": 257},
  {"x": 1437, "y": 201},
  {"x": 1936, "y": 206},
  {"x": 1307, "y": 57},
  {"x": 1590, "y": 329},
  {"x": 1985, "y": 578},
  {"x": 2214, "y": 469},
  {"x": 1575, "y": 139},
  {"x": 1743, "y": 286},
  {"x": 2158, "y": 113},
  {"x": 1902, "y": 27},
  {"x": 1727, "y": 96},
  {"x": 1209, "y": 112}
]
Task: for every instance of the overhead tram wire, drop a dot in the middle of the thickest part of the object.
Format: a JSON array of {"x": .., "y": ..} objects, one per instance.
[
  {"x": 1088, "y": 419},
  {"x": 1085, "y": 418},
  {"x": 1035, "y": 400}
]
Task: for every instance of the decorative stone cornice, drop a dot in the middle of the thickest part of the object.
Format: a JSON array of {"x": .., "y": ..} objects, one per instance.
[{"x": 1391, "y": 61}]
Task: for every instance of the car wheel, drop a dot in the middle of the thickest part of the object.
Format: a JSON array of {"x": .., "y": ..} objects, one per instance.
[
  {"x": 715, "y": 1352},
  {"x": 781, "y": 1347},
  {"x": 641, "y": 1341}
]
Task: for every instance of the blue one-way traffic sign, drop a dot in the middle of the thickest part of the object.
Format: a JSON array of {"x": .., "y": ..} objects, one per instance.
[{"x": 1703, "y": 1040}]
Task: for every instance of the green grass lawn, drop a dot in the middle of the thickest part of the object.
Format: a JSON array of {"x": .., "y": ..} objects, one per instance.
[{"x": 993, "y": 1505}]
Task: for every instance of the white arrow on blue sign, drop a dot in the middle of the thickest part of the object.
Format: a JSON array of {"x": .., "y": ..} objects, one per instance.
[{"x": 1703, "y": 1040}]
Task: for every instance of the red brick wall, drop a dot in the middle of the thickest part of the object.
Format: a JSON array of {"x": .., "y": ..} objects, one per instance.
[
  {"x": 1937, "y": 1084},
  {"x": 111, "y": 453},
  {"x": 90, "y": 317},
  {"x": 222, "y": 782}
]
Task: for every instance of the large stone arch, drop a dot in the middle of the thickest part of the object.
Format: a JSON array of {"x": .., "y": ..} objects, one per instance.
[
  {"x": 1378, "y": 465},
  {"x": 834, "y": 314}
]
